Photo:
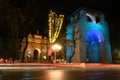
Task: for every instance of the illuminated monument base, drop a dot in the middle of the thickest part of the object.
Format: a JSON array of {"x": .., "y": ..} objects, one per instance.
[{"x": 89, "y": 35}]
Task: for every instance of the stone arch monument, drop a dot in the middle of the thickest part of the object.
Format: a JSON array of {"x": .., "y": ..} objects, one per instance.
[{"x": 89, "y": 35}]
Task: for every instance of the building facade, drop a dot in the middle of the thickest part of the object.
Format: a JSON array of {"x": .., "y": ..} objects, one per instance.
[
  {"x": 89, "y": 35},
  {"x": 37, "y": 48}
]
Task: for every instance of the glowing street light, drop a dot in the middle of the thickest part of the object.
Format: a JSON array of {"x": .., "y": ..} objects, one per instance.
[{"x": 56, "y": 48}]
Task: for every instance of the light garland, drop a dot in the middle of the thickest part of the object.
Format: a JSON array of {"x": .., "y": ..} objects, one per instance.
[{"x": 55, "y": 24}]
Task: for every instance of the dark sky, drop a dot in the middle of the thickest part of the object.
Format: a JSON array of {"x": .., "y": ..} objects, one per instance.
[{"x": 110, "y": 8}]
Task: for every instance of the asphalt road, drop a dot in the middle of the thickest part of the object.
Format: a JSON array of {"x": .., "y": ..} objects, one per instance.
[
  {"x": 96, "y": 72},
  {"x": 85, "y": 74}
]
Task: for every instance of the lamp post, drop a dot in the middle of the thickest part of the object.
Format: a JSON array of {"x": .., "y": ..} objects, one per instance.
[{"x": 56, "y": 48}]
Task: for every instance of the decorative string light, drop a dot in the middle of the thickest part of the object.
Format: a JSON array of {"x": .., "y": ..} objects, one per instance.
[{"x": 55, "y": 24}]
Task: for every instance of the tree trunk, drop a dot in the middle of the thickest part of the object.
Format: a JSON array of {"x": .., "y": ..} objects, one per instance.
[
  {"x": 73, "y": 53},
  {"x": 24, "y": 50},
  {"x": 70, "y": 58}
]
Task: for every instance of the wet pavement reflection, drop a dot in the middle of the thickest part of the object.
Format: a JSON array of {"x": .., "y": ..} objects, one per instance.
[{"x": 83, "y": 74}]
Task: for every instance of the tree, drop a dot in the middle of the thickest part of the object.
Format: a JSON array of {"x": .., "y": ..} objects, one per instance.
[
  {"x": 116, "y": 56},
  {"x": 9, "y": 30},
  {"x": 28, "y": 19}
]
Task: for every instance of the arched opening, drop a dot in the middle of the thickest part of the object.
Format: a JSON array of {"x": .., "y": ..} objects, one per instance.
[
  {"x": 35, "y": 55},
  {"x": 93, "y": 40}
]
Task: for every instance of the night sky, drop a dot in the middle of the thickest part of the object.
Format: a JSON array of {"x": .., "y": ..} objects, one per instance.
[{"x": 110, "y": 8}]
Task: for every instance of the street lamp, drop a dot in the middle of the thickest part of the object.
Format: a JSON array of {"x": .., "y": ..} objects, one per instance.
[{"x": 56, "y": 48}]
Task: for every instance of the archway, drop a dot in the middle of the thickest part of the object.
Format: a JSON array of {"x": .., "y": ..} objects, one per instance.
[
  {"x": 93, "y": 40},
  {"x": 35, "y": 55}
]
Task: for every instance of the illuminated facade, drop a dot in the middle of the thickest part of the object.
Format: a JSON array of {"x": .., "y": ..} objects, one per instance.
[
  {"x": 37, "y": 48},
  {"x": 89, "y": 35}
]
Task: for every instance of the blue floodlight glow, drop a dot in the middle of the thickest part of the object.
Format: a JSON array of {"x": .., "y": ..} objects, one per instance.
[
  {"x": 69, "y": 36},
  {"x": 93, "y": 39},
  {"x": 94, "y": 35},
  {"x": 69, "y": 33}
]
